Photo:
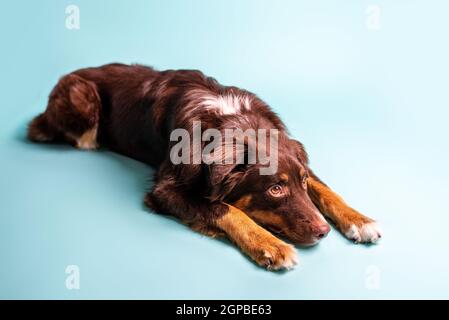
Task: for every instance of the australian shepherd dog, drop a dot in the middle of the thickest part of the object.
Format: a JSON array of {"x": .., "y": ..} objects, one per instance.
[{"x": 224, "y": 162}]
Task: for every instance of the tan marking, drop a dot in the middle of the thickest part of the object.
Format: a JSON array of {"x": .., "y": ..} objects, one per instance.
[
  {"x": 349, "y": 221},
  {"x": 255, "y": 241},
  {"x": 264, "y": 218},
  {"x": 88, "y": 140},
  {"x": 284, "y": 177},
  {"x": 268, "y": 219},
  {"x": 244, "y": 202}
]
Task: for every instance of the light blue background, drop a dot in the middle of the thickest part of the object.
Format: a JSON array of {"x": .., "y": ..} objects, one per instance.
[{"x": 370, "y": 106}]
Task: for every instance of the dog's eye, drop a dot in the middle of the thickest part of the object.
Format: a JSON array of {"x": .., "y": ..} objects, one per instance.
[{"x": 276, "y": 191}]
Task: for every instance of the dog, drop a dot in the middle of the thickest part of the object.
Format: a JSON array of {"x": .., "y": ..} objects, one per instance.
[{"x": 134, "y": 109}]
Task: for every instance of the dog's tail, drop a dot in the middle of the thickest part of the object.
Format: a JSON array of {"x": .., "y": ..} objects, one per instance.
[{"x": 39, "y": 129}]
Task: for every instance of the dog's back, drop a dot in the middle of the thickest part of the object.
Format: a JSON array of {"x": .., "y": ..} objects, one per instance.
[{"x": 132, "y": 109}]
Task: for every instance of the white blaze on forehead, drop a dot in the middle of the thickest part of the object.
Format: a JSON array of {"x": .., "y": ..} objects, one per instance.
[{"x": 227, "y": 103}]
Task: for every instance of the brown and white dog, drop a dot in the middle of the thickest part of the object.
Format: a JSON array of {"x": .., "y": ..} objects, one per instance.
[{"x": 132, "y": 109}]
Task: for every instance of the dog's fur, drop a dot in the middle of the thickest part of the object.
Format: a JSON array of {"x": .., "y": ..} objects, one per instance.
[{"x": 132, "y": 109}]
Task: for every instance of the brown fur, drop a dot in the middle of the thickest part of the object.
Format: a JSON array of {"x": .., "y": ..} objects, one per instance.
[{"x": 132, "y": 109}]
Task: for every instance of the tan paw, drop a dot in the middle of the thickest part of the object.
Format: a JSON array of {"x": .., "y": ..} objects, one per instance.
[{"x": 368, "y": 232}]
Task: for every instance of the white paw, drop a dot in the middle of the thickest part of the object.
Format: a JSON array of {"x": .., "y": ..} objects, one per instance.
[
  {"x": 366, "y": 233},
  {"x": 283, "y": 258}
]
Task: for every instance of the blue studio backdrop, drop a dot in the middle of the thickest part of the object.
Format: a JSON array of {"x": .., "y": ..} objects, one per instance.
[{"x": 363, "y": 84}]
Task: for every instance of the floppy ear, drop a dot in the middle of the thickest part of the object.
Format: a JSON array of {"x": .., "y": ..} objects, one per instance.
[
  {"x": 226, "y": 172},
  {"x": 224, "y": 178}
]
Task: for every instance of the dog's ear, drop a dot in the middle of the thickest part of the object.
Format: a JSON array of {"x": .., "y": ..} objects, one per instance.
[
  {"x": 228, "y": 169},
  {"x": 224, "y": 178}
]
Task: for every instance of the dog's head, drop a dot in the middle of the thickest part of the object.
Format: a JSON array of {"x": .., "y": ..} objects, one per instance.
[{"x": 279, "y": 201}]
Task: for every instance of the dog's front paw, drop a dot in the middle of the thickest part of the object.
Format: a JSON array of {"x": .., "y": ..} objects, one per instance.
[
  {"x": 277, "y": 255},
  {"x": 366, "y": 232}
]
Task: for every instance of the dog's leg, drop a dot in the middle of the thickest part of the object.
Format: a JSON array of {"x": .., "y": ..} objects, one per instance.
[
  {"x": 72, "y": 114},
  {"x": 350, "y": 222},
  {"x": 213, "y": 218},
  {"x": 255, "y": 241}
]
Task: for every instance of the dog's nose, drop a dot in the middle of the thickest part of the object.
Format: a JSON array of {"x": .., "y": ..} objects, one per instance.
[{"x": 321, "y": 231}]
